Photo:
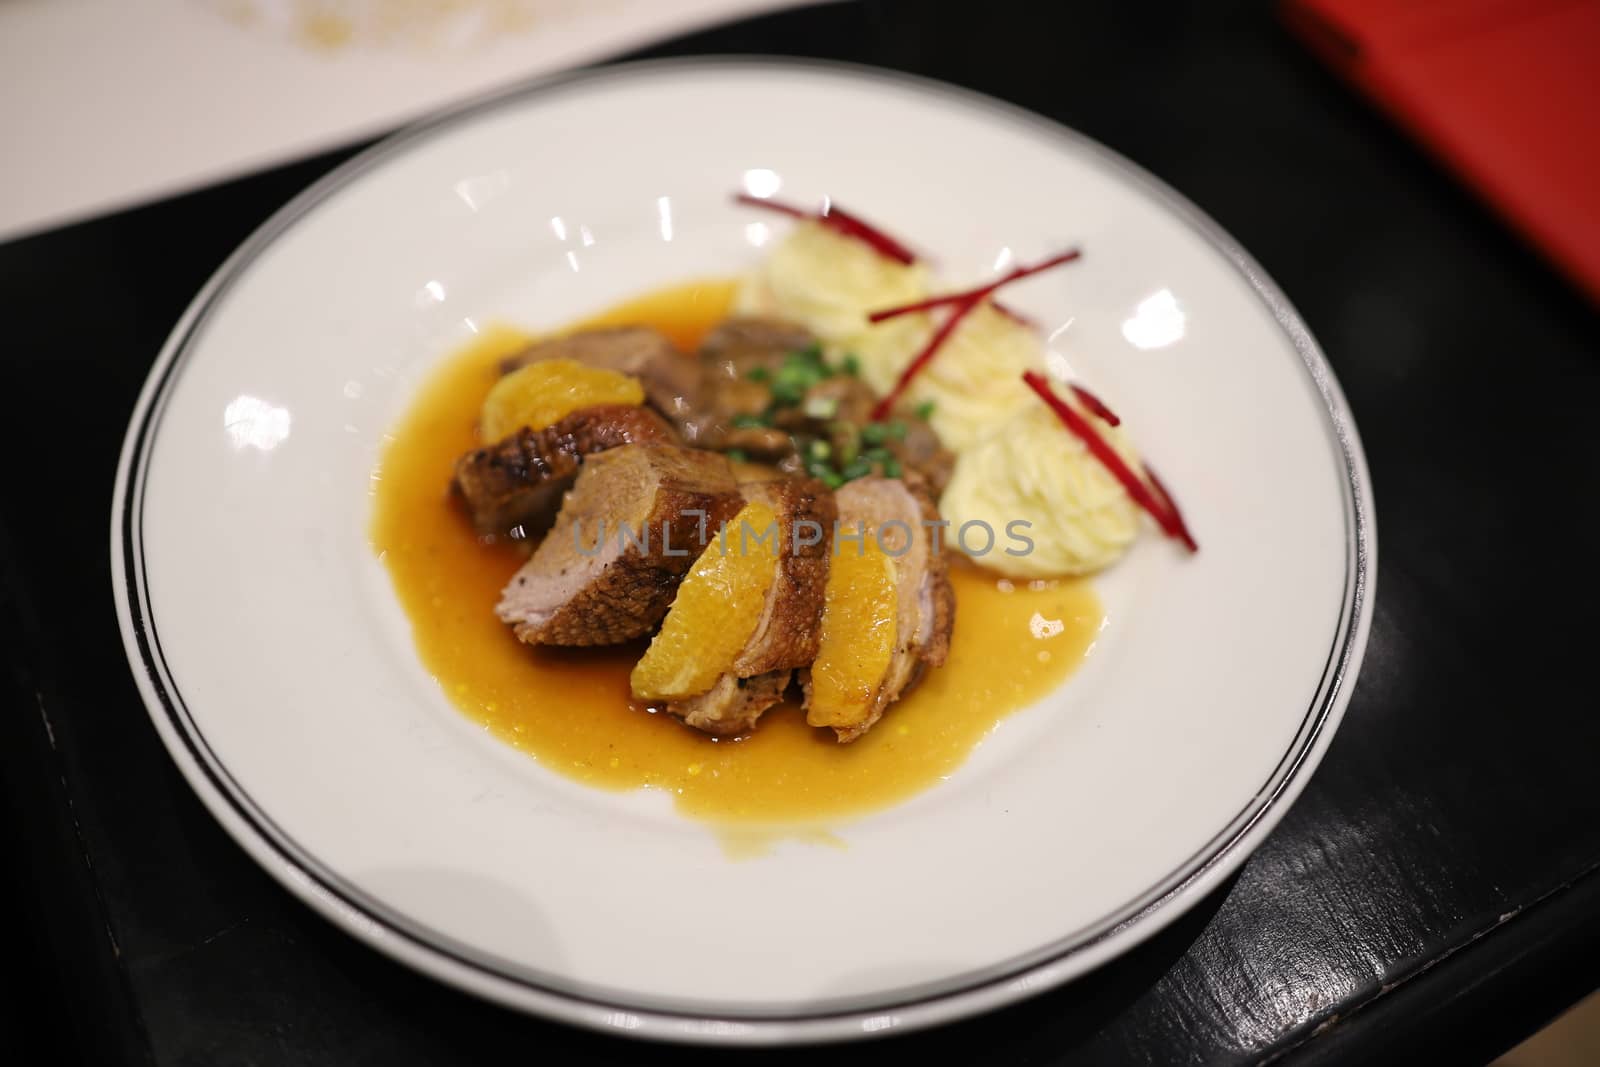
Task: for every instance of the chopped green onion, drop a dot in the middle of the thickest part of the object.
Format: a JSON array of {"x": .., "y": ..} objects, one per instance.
[
  {"x": 758, "y": 374},
  {"x": 787, "y": 394},
  {"x": 849, "y": 449},
  {"x": 860, "y": 468},
  {"x": 794, "y": 378},
  {"x": 744, "y": 421},
  {"x": 876, "y": 455},
  {"x": 874, "y": 433},
  {"x": 895, "y": 428},
  {"x": 807, "y": 362},
  {"x": 736, "y": 455},
  {"x": 831, "y": 479},
  {"x": 819, "y": 449},
  {"x": 924, "y": 410},
  {"x": 821, "y": 407},
  {"x": 851, "y": 364},
  {"x": 891, "y": 468}
]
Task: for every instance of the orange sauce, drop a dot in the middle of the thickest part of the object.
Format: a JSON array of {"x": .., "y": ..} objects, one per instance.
[{"x": 571, "y": 709}]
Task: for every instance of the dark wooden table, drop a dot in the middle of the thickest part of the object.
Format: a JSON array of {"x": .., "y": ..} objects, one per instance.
[{"x": 1434, "y": 890}]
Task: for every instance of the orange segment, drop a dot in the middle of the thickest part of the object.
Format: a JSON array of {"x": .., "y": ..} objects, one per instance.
[
  {"x": 715, "y": 611},
  {"x": 540, "y": 393},
  {"x": 858, "y": 632}
]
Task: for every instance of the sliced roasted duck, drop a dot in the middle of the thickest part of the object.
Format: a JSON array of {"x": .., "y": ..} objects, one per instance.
[
  {"x": 514, "y": 486},
  {"x": 788, "y": 626},
  {"x": 636, "y": 519}
]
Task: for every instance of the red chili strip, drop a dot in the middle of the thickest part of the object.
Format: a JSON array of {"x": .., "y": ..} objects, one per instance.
[
  {"x": 962, "y": 304},
  {"x": 1015, "y": 316},
  {"x": 1096, "y": 405},
  {"x": 881, "y": 410},
  {"x": 840, "y": 221},
  {"x": 1172, "y": 508},
  {"x": 1165, "y": 515},
  {"x": 975, "y": 294}
]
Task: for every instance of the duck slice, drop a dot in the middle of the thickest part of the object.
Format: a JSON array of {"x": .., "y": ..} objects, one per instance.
[
  {"x": 635, "y": 520},
  {"x": 518, "y": 481},
  {"x": 734, "y": 704},
  {"x": 787, "y": 632}
]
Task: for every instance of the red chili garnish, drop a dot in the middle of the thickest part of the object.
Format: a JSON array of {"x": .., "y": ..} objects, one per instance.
[
  {"x": 1162, "y": 510},
  {"x": 882, "y": 408},
  {"x": 1172, "y": 508},
  {"x": 975, "y": 294},
  {"x": 1015, "y": 316},
  {"x": 1096, "y": 405},
  {"x": 962, "y": 303},
  {"x": 840, "y": 221}
]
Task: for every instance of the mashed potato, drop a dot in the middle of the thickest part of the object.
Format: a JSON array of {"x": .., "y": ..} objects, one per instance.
[
  {"x": 828, "y": 283},
  {"x": 1015, "y": 459},
  {"x": 1034, "y": 470},
  {"x": 974, "y": 383}
]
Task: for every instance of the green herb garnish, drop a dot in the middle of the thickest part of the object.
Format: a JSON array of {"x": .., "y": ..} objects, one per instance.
[
  {"x": 851, "y": 364},
  {"x": 737, "y": 455},
  {"x": 744, "y": 421},
  {"x": 858, "y": 468},
  {"x": 821, "y": 407},
  {"x": 786, "y": 394},
  {"x": 848, "y": 443},
  {"x": 758, "y": 374},
  {"x": 924, "y": 410}
]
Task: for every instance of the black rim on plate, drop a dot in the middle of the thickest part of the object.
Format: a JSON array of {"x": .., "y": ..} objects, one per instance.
[{"x": 382, "y": 927}]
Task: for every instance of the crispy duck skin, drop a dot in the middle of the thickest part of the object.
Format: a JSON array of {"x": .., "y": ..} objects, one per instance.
[{"x": 518, "y": 481}]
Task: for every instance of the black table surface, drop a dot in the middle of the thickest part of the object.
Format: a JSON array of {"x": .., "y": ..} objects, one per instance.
[{"x": 1433, "y": 890}]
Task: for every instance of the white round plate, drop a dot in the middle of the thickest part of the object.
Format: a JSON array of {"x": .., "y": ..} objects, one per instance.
[{"x": 279, "y": 669}]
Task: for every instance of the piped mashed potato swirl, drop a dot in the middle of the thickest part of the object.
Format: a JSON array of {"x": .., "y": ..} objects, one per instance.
[
  {"x": 828, "y": 283},
  {"x": 1081, "y": 519},
  {"x": 1015, "y": 461},
  {"x": 974, "y": 384}
]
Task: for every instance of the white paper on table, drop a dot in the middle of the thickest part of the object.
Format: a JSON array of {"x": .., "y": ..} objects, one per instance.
[{"x": 109, "y": 103}]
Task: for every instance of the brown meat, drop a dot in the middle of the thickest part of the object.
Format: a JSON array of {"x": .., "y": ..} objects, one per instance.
[
  {"x": 921, "y": 450},
  {"x": 738, "y": 345},
  {"x": 786, "y": 634},
  {"x": 670, "y": 379},
  {"x": 852, "y": 401},
  {"x": 734, "y": 704},
  {"x": 925, "y": 601},
  {"x": 518, "y": 482},
  {"x": 635, "y": 520},
  {"x": 729, "y": 353}
]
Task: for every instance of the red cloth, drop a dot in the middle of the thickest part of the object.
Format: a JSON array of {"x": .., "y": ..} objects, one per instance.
[{"x": 1505, "y": 92}]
